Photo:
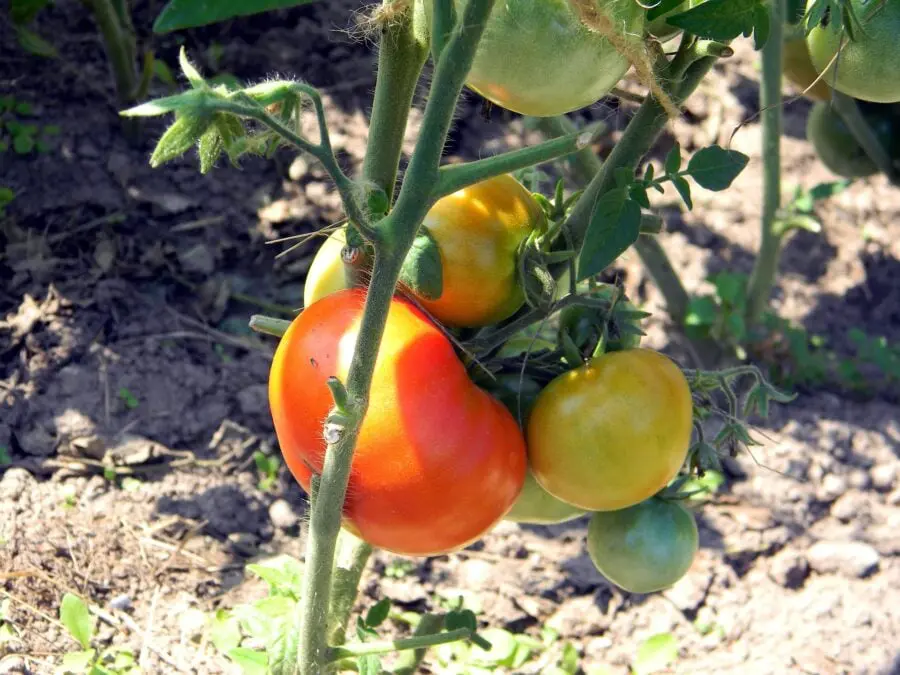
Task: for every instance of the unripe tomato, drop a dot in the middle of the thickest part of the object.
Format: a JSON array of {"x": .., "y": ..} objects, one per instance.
[
  {"x": 537, "y": 58},
  {"x": 613, "y": 432},
  {"x": 799, "y": 70},
  {"x": 867, "y": 66},
  {"x": 835, "y": 145},
  {"x": 536, "y": 505},
  {"x": 438, "y": 461},
  {"x": 644, "y": 548},
  {"x": 661, "y": 29},
  {"x": 326, "y": 274},
  {"x": 478, "y": 231}
]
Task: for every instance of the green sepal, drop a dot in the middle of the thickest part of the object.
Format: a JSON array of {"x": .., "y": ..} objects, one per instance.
[
  {"x": 422, "y": 271},
  {"x": 179, "y": 138}
]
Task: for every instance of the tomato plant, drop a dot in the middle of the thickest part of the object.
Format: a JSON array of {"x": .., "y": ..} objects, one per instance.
[
  {"x": 478, "y": 232},
  {"x": 435, "y": 466},
  {"x": 644, "y": 548},
  {"x": 613, "y": 432},
  {"x": 859, "y": 62},
  {"x": 537, "y": 58}
]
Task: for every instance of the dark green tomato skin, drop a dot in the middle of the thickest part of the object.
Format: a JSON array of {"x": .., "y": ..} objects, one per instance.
[
  {"x": 866, "y": 67},
  {"x": 538, "y": 507},
  {"x": 644, "y": 548},
  {"x": 835, "y": 145}
]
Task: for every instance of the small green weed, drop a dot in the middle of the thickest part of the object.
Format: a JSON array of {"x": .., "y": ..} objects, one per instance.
[
  {"x": 19, "y": 134},
  {"x": 268, "y": 469},
  {"x": 76, "y": 617},
  {"x": 129, "y": 399}
]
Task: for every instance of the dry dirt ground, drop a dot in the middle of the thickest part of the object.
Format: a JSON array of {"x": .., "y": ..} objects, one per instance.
[{"x": 125, "y": 293}]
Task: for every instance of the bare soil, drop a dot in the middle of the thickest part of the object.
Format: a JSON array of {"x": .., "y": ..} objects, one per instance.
[{"x": 126, "y": 293}]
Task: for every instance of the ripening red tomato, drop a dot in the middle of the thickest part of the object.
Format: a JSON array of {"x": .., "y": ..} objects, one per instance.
[{"x": 438, "y": 461}]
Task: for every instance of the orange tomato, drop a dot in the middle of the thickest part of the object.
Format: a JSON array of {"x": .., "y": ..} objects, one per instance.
[{"x": 438, "y": 461}]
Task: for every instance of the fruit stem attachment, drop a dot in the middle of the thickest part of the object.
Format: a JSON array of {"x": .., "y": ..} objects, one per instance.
[
  {"x": 765, "y": 267},
  {"x": 394, "y": 236}
]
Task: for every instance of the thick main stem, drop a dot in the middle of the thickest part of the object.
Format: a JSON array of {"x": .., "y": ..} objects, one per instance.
[
  {"x": 765, "y": 268},
  {"x": 395, "y": 236}
]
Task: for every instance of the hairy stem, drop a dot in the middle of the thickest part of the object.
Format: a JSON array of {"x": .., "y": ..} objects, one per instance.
[
  {"x": 765, "y": 267},
  {"x": 388, "y": 646},
  {"x": 394, "y": 236},
  {"x": 402, "y": 53},
  {"x": 350, "y": 563}
]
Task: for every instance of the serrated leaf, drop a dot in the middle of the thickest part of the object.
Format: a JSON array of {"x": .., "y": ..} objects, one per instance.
[
  {"x": 250, "y": 661},
  {"x": 33, "y": 43},
  {"x": 422, "y": 270},
  {"x": 283, "y": 573},
  {"x": 378, "y": 612},
  {"x": 179, "y": 138},
  {"x": 715, "y": 168},
  {"x": 661, "y": 8},
  {"x": 615, "y": 225},
  {"x": 74, "y": 615},
  {"x": 639, "y": 194},
  {"x": 656, "y": 653},
  {"x": 179, "y": 14},
  {"x": 725, "y": 20},
  {"x": 673, "y": 160}
]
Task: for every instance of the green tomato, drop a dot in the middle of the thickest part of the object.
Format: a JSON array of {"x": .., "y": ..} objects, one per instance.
[
  {"x": 537, "y": 58},
  {"x": 866, "y": 67},
  {"x": 835, "y": 145},
  {"x": 536, "y": 505},
  {"x": 644, "y": 548},
  {"x": 661, "y": 29}
]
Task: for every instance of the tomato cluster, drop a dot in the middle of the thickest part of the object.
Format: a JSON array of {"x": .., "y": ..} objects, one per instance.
[{"x": 439, "y": 461}]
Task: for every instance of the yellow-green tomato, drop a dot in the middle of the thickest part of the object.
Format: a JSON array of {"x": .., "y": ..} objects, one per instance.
[
  {"x": 661, "y": 29},
  {"x": 479, "y": 231},
  {"x": 611, "y": 433},
  {"x": 798, "y": 69},
  {"x": 326, "y": 274},
  {"x": 537, "y": 58},
  {"x": 644, "y": 548},
  {"x": 536, "y": 505},
  {"x": 866, "y": 67}
]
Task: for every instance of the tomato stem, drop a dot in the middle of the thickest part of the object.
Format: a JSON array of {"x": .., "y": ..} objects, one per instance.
[
  {"x": 350, "y": 563},
  {"x": 388, "y": 646},
  {"x": 393, "y": 237},
  {"x": 765, "y": 267}
]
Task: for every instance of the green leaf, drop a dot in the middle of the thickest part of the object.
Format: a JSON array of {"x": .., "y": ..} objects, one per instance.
[
  {"x": 684, "y": 189},
  {"x": 74, "y": 614},
  {"x": 661, "y": 8},
  {"x": 724, "y": 20},
  {"x": 422, "y": 271},
  {"x": 250, "y": 661},
  {"x": 701, "y": 311},
  {"x": 166, "y": 104},
  {"x": 179, "y": 138},
  {"x": 378, "y": 612},
  {"x": 23, "y": 143},
  {"x": 163, "y": 73},
  {"x": 615, "y": 225},
  {"x": 283, "y": 573},
  {"x": 24, "y": 108},
  {"x": 656, "y": 653},
  {"x": 179, "y": 14},
  {"x": 5, "y": 457},
  {"x": 673, "y": 160},
  {"x": 225, "y": 631},
  {"x": 25, "y": 11},
  {"x": 502, "y": 651},
  {"x": 77, "y": 662},
  {"x": 715, "y": 168},
  {"x": 33, "y": 43},
  {"x": 369, "y": 665}
]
